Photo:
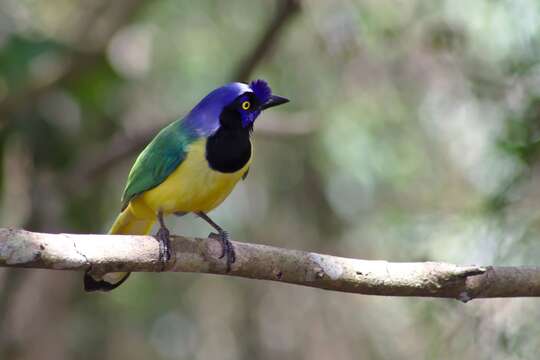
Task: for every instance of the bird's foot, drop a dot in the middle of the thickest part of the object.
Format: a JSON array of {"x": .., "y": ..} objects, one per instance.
[
  {"x": 164, "y": 240},
  {"x": 227, "y": 248}
]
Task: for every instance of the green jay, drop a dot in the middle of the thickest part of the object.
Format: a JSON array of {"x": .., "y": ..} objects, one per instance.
[{"x": 191, "y": 166}]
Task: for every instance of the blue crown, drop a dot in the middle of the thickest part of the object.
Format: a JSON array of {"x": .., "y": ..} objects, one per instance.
[{"x": 262, "y": 90}]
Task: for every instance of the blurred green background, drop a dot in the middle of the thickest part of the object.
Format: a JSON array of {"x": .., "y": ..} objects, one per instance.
[{"x": 413, "y": 134}]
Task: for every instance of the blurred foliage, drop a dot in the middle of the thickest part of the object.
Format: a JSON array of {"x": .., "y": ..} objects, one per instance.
[{"x": 413, "y": 134}]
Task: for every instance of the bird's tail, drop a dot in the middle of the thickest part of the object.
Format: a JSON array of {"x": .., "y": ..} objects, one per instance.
[{"x": 127, "y": 223}]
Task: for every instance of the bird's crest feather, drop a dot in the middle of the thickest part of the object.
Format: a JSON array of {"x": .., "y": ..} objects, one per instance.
[{"x": 261, "y": 89}]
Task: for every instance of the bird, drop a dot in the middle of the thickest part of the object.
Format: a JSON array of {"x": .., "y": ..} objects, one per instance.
[{"x": 191, "y": 166}]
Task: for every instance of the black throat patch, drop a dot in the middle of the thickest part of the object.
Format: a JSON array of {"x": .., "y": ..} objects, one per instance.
[{"x": 229, "y": 149}]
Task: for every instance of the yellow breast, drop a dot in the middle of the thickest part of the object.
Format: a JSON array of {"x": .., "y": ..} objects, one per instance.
[{"x": 192, "y": 187}]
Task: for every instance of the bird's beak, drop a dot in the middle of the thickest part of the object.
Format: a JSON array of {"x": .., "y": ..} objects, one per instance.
[{"x": 274, "y": 101}]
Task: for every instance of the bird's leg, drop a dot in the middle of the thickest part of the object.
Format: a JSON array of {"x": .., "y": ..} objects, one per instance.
[
  {"x": 163, "y": 237},
  {"x": 227, "y": 248}
]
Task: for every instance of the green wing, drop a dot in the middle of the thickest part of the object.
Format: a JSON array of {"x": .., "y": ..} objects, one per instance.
[{"x": 157, "y": 161}]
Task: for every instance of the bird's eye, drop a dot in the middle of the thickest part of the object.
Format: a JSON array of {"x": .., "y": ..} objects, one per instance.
[{"x": 246, "y": 105}]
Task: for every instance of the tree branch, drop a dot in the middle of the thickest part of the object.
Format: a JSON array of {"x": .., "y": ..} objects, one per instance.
[
  {"x": 287, "y": 9},
  {"x": 106, "y": 253}
]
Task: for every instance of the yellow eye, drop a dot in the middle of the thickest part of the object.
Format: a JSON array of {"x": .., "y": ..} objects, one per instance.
[{"x": 246, "y": 105}]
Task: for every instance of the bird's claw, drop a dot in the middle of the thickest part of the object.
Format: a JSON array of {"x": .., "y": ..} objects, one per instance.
[
  {"x": 164, "y": 240},
  {"x": 227, "y": 248}
]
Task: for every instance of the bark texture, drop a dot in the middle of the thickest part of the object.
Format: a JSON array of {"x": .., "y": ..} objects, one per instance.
[{"x": 106, "y": 253}]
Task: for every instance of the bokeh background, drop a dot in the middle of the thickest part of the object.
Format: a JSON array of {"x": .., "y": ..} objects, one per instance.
[{"x": 413, "y": 134}]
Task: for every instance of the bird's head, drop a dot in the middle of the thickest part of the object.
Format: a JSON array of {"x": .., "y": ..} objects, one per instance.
[{"x": 235, "y": 105}]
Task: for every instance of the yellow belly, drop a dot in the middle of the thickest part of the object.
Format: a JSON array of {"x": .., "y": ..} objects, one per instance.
[{"x": 192, "y": 187}]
